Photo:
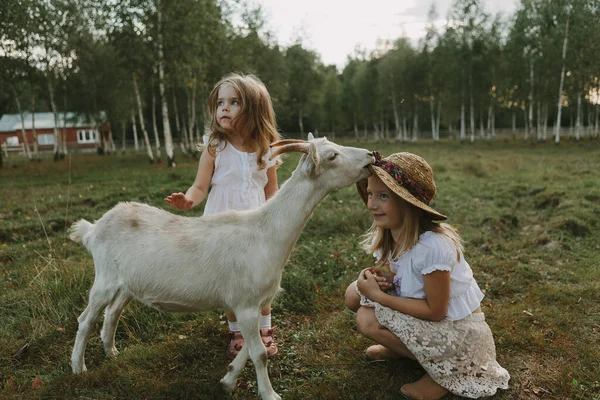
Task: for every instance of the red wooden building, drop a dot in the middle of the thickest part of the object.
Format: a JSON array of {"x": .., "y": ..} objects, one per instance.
[{"x": 80, "y": 132}]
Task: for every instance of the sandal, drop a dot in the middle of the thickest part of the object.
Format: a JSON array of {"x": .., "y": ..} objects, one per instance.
[
  {"x": 267, "y": 337},
  {"x": 423, "y": 389},
  {"x": 378, "y": 352},
  {"x": 236, "y": 342}
]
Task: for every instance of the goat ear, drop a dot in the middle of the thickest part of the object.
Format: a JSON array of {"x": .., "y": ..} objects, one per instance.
[
  {"x": 310, "y": 136},
  {"x": 312, "y": 161}
]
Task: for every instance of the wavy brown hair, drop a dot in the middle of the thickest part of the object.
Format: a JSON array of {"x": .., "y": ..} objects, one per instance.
[
  {"x": 259, "y": 127},
  {"x": 414, "y": 223}
]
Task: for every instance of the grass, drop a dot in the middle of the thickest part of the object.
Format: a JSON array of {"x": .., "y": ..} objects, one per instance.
[{"x": 529, "y": 216}]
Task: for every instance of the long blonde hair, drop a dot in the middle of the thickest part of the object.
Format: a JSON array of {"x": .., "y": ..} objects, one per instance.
[
  {"x": 414, "y": 222},
  {"x": 259, "y": 127}
]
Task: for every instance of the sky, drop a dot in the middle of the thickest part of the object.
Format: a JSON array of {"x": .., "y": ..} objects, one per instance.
[{"x": 333, "y": 28}]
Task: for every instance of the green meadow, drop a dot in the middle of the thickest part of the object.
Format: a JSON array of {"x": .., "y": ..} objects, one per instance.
[{"x": 529, "y": 216}]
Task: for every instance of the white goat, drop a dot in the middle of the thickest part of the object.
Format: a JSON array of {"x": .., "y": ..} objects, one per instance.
[{"x": 229, "y": 261}]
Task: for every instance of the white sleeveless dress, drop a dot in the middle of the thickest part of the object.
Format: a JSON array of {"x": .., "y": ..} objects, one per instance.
[{"x": 237, "y": 183}]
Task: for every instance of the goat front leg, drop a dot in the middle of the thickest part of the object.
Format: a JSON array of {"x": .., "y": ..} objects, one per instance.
[{"x": 248, "y": 323}]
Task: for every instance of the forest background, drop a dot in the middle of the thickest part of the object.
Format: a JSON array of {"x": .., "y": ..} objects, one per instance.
[{"x": 150, "y": 64}]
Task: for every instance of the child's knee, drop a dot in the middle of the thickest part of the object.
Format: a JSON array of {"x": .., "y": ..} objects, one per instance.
[
  {"x": 366, "y": 320},
  {"x": 352, "y": 297}
]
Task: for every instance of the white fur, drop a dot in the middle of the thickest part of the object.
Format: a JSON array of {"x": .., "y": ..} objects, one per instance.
[{"x": 232, "y": 261}]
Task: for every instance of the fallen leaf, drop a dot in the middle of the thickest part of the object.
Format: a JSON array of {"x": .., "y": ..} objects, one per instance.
[{"x": 36, "y": 383}]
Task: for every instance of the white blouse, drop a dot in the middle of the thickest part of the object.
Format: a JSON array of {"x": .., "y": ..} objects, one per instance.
[
  {"x": 435, "y": 252},
  {"x": 237, "y": 183}
]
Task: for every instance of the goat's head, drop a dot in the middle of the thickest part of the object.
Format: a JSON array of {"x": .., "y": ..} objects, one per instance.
[{"x": 334, "y": 166}]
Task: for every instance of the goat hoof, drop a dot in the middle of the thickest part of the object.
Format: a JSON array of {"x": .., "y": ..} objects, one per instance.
[
  {"x": 228, "y": 384},
  {"x": 112, "y": 353},
  {"x": 271, "y": 396},
  {"x": 78, "y": 369}
]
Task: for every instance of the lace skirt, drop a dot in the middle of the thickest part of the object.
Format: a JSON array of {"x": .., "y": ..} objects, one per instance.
[{"x": 459, "y": 355}]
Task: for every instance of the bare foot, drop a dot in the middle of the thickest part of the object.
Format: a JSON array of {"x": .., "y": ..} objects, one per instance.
[
  {"x": 378, "y": 352},
  {"x": 423, "y": 389}
]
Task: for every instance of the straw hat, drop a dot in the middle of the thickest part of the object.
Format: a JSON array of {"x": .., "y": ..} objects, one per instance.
[{"x": 407, "y": 175}]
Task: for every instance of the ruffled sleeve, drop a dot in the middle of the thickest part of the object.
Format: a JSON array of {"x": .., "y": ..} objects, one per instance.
[{"x": 437, "y": 254}]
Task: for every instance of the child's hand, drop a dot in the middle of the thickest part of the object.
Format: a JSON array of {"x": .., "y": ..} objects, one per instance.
[
  {"x": 179, "y": 201},
  {"x": 384, "y": 280},
  {"x": 370, "y": 284}
]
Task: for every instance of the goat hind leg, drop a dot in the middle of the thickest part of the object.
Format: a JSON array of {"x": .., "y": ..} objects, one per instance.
[
  {"x": 98, "y": 300},
  {"x": 235, "y": 368},
  {"x": 111, "y": 319}
]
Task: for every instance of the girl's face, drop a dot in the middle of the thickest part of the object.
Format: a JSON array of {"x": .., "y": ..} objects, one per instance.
[
  {"x": 387, "y": 207},
  {"x": 229, "y": 105}
]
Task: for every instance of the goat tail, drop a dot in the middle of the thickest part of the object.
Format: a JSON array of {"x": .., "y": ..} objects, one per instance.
[{"x": 79, "y": 229}]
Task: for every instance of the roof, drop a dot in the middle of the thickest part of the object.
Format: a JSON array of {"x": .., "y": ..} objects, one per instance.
[{"x": 12, "y": 122}]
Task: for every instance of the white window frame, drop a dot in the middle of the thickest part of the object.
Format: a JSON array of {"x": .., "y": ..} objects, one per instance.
[
  {"x": 87, "y": 136},
  {"x": 12, "y": 141},
  {"x": 45, "y": 139}
]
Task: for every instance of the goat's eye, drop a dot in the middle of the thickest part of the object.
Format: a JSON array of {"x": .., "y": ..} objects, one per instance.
[{"x": 333, "y": 156}]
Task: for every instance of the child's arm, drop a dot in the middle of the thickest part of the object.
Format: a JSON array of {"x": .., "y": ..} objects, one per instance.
[
  {"x": 271, "y": 187},
  {"x": 433, "y": 308},
  {"x": 199, "y": 189}
]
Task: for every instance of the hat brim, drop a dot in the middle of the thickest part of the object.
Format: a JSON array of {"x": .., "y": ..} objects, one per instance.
[{"x": 402, "y": 192}]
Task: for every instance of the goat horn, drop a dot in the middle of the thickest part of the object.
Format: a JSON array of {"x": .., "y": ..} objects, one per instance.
[
  {"x": 284, "y": 142},
  {"x": 301, "y": 147}
]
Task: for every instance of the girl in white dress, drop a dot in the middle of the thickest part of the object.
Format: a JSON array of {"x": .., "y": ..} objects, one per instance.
[
  {"x": 422, "y": 301},
  {"x": 236, "y": 165}
]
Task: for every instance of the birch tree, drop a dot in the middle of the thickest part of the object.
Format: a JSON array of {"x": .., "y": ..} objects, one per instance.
[{"x": 562, "y": 74}]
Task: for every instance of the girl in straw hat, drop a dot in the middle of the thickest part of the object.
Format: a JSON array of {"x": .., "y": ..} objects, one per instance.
[{"x": 426, "y": 305}]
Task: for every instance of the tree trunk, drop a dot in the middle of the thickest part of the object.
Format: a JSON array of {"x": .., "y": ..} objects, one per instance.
[
  {"x": 493, "y": 132},
  {"x": 578, "y": 121},
  {"x": 471, "y": 108},
  {"x": 396, "y": 115},
  {"x": 141, "y": 117},
  {"x": 488, "y": 130},
  {"x": 154, "y": 126},
  {"x": 514, "y": 123},
  {"x": 161, "y": 84},
  {"x": 415, "y": 127},
  {"x": 55, "y": 112},
  {"x": 64, "y": 130},
  {"x": 36, "y": 153},
  {"x": 439, "y": 117},
  {"x": 545, "y": 123},
  {"x": 463, "y": 134},
  {"x": 596, "y": 124},
  {"x": 135, "y": 137},
  {"x": 124, "y": 128},
  {"x": 531, "y": 78},
  {"x": 481, "y": 127},
  {"x": 178, "y": 126},
  {"x": 23, "y": 133},
  {"x": 562, "y": 81},
  {"x": 538, "y": 131},
  {"x": 192, "y": 115},
  {"x": 526, "y": 123},
  {"x": 432, "y": 115},
  {"x": 300, "y": 123}
]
